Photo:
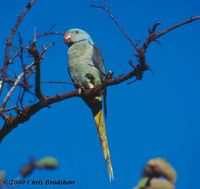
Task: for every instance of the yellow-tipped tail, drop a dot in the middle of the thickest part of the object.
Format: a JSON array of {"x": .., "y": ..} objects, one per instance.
[{"x": 100, "y": 124}]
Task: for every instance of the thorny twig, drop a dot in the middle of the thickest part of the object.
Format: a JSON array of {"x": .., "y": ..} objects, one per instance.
[
  {"x": 140, "y": 52},
  {"x": 106, "y": 8},
  {"x": 34, "y": 52},
  {"x": 29, "y": 111},
  {"x": 9, "y": 42},
  {"x": 154, "y": 36},
  {"x": 58, "y": 82},
  {"x": 137, "y": 71},
  {"x": 21, "y": 48},
  {"x": 17, "y": 81},
  {"x": 12, "y": 81},
  {"x": 13, "y": 88},
  {"x": 22, "y": 91},
  {"x": 11, "y": 59},
  {"x": 10, "y": 108},
  {"x": 49, "y": 34},
  {"x": 3, "y": 115}
]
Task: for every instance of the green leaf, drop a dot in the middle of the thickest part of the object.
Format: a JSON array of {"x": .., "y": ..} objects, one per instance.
[
  {"x": 47, "y": 163},
  {"x": 2, "y": 175},
  {"x": 142, "y": 183}
]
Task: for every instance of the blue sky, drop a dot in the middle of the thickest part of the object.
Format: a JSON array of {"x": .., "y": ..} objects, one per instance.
[{"x": 158, "y": 116}]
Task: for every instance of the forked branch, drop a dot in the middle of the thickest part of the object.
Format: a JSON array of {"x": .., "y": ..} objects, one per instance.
[
  {"x": 24, "y": 114},
  {"x": 9, "y": 42}
]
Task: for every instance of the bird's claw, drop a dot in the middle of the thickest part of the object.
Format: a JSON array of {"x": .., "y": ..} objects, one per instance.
[
  {"x": 80, "y": 90},
  {"x": 109, "y": 75}
]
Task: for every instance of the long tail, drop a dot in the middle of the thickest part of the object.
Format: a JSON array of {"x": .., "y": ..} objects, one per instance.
[{"x": 100, "y": 124}]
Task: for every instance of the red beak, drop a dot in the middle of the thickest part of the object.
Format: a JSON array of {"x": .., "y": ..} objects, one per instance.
[{"x": 67, "y": 37}]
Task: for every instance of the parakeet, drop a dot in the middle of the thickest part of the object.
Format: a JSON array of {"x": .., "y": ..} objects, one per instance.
[{"x": 86, "y": 69}]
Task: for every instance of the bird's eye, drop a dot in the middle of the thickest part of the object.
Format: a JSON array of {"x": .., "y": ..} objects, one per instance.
[{"x": 76, "y": 31}]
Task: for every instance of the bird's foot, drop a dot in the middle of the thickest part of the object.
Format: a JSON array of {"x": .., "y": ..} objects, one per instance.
[
  {"x": 109, "y": 75},
  {"x": 80, "y": 90}
]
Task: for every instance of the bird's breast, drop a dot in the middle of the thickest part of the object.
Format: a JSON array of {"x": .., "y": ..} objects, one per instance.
[
  {"x": 79, "y": 53},
  {"x": 81, "y": 67}
]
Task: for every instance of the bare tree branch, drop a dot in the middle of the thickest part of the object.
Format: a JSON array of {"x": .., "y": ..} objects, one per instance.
[
  {"x": 29, "y": 111},
  {"x": 34, "y": 52},
  {"x": 10, "y": 108},
  {"x": 137, "y": 71},
  {"x": 9, "y": 42},
  {"x": 13, "y": 88},
  {"x": 153, "y": 35},
  {"x": 12, "y": 81},
  {"x": 49, "y": 34},
  {"x": 14, "y": 56},
  {"x": 106, "y": 8},
  {"x": 3, "y": 115},
  {"x": 58, "y": 82},
  {"x": 16, "y": 82},
  {"x": 140, "y": 52},
  {"x": 175, "y": 26}
]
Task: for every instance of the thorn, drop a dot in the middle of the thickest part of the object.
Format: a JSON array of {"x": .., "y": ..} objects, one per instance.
[
  {"x": 136, "y": 54},
  {"x": 150, "y": 30},
  {"x": 80, "y": 90},
  {"x": 34, "y": 35},
  {"x": 155, "y": 26},
  {"x": 151, "y": 71},
  {"x": 131, "y": 82},
  {"x": 109, "y": 75},
  {"x": 131, "y": 64},
  {"x": 157, "y": 41}
]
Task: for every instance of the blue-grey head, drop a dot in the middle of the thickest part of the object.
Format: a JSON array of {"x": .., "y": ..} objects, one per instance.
[{"x": 75, "y": 35}]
